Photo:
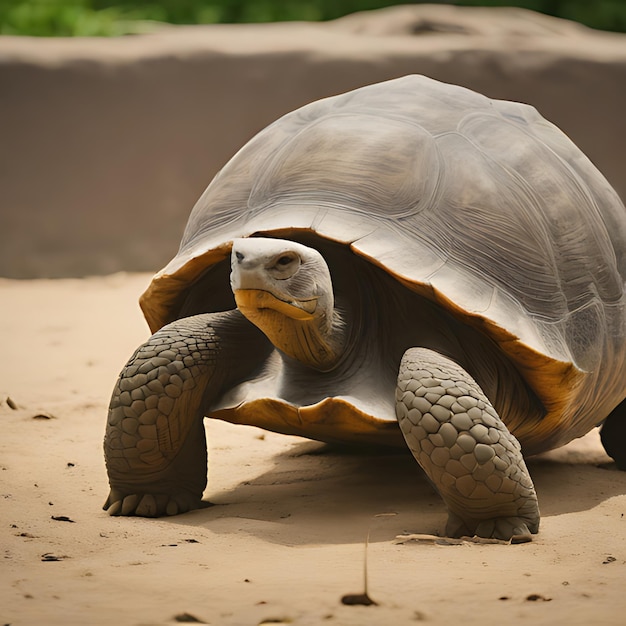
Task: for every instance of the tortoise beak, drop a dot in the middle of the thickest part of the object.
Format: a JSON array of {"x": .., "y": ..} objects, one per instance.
[{"x": 251, "y": 301}]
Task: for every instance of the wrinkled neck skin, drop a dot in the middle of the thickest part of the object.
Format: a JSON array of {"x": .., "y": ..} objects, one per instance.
[
  {"x": 319, "y": 342},
  {"x": 322, "y": 343}
]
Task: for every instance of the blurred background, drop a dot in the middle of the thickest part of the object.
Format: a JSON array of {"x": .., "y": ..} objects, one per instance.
[
  {"x": 55, "y": 18},
  {"x": 114, "y": 116}
]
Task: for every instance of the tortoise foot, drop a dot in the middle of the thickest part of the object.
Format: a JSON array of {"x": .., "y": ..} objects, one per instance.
[
  {"x": 121, "y": 503},
  {"x": 514, "y": 529}
]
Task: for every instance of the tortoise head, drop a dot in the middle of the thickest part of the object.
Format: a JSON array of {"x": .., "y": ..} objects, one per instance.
[{"x": 285, "y": 289}]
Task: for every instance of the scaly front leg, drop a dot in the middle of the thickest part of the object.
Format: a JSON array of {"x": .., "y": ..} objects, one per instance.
[
  {"x": 155, "y": 446},
  {"x": 464, "y": 447}
]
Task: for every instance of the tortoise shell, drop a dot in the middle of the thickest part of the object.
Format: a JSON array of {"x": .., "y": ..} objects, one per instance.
[{"x": 481, "y": 206}]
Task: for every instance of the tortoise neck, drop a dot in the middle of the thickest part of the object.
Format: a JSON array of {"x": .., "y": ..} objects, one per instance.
[
  {"x": 319, "y": 344},
  {"x": 338, "y": 336},
  {"x": 317, "y": 340}
]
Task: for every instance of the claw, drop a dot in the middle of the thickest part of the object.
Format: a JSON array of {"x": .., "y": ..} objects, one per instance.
[
  {"x": 129, "y": 505},
  {"x": 147, "y": 507},
  {"x": 150, "y": 505},
  {"x": 114, "y": 496},
  {"x": 521, "y": 535},
  {"x": 488, "y": 529},
  {"x": 513, "y": 529},
  {"x": 115, "y": 508},
  {"x": 456, "y": 527}
]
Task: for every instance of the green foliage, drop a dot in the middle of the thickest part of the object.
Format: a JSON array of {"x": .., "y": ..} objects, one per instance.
[
  {"x": 50, "y": 18},
  {"x": 118, "y": 17},
  {"x": 601, "y": 14}
]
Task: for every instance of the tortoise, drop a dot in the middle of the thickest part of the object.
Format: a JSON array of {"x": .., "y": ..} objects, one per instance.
[{"x": 409, "y": 263}]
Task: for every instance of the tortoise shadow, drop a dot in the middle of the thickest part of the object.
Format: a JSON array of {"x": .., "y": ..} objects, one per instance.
[{"x": 326, "y": 494}]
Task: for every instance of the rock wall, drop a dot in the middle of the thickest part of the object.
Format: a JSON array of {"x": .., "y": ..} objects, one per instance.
[{"x": 105, "y": 144}]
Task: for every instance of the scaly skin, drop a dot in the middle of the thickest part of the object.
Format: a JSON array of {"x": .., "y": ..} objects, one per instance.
[
  {"x": 464, "y": 447},
  {"x": 155, "y": 446}
]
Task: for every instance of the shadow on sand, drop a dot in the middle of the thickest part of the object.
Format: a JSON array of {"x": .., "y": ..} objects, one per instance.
[{"x": 325, "y": 494}]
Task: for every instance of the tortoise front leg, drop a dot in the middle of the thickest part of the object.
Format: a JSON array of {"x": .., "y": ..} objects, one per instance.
[
  {"x": 466, "y": 450},
  {"x": 155, "y": 445}
]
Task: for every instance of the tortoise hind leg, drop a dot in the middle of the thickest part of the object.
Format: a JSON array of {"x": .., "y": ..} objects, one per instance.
[
  {"x": 613, "y": 435},
  {"x": 465, "y": 449},
  {"x": 155, "y": 446}
]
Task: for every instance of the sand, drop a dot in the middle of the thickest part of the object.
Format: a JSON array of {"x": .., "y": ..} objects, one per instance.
[{"x": 285, "y": 538}]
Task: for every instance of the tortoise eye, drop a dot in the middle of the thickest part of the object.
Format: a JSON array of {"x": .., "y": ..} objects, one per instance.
[{"x": 284, "y": 265}]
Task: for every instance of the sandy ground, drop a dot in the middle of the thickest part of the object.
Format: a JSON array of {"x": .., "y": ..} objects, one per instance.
[{"x": 285, "y": 539}]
